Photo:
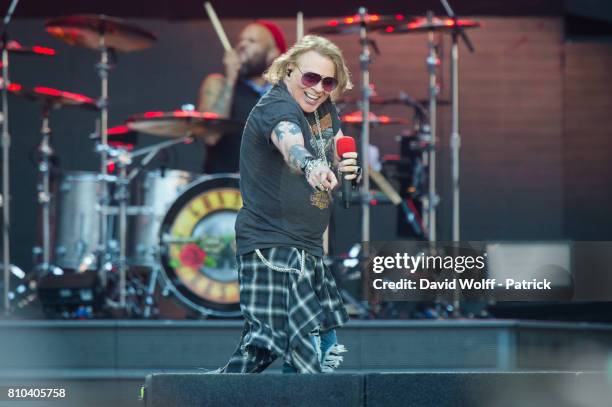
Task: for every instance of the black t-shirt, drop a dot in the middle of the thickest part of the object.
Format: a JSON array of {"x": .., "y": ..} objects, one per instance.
[
  {"x": 224, "y": 156},
  {"x": 280, "y": 208}
]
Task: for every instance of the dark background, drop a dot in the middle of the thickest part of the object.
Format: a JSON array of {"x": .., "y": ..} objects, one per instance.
[{"x": 535, "y": 103}]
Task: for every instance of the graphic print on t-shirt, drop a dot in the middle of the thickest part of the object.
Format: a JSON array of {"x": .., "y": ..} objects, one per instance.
[
  {"x": 328, "y": 135},
  {"x": 321, "y": 199}
]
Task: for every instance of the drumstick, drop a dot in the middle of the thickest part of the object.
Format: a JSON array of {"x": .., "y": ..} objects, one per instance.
[
  {"x": 385, "y": 187},
  {"x": 300, "y": 25},
  {"x": 217, "y": 25}
]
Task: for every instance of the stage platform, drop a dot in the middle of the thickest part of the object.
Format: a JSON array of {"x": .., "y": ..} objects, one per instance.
[
  {"x": 450, "y": 389},
  {"x": 113, "y": 357}
]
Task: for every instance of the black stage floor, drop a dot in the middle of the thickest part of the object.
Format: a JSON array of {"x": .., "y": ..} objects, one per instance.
[{"x": 109, "y": 359}]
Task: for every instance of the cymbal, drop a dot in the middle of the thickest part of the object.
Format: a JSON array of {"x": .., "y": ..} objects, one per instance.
[
  {"x": 421, "y": 24},
  {"x": 53, "y": 98},
  {"x": 352, "y": 24},
  {"x": 356, "y": 117},
  {"x": 374, "y": 100},
  {"x": 14, "y": 47},
  {"x": 377, "y": 100},
  {"x": 86, "y": 31},
  {"x": 122, "y": 137},
  {"x": 181, "y": 123}
]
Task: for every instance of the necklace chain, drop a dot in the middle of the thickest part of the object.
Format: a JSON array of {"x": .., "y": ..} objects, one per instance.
[{"x": 320, "y": 143}]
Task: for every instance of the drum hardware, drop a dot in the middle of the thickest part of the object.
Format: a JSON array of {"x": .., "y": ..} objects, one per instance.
[
  {"x": 364, "y": 59},
  {"x": 107, "y": 35},
  {"x": 6, "y": 142},
  {"x": 429, "y": 158},
  {"x": 361, "y": 24},
  {"x": 455, "y": 139},
  {"x": 22, "y": 290},
  {"x": 456, "y": 27},
  {"x": 209, "y": 242},
  {"x": 455, "y": 142},
  {"x": 44, "y": 192},
  {"x": 429, "y": 201},
  {"x": 90, "y": 31},
  {"x": 49, "y": 98},
  {"x": 123, "y": 158},
  {"x": 181, "y": 122},
  {"x": 182, "y": 127},
  {"x": 425, "y": 25},
  {"x": 351, "y": 25},
  {"x": 356, "y": 118},
  {"x": 402, "y": 99}
]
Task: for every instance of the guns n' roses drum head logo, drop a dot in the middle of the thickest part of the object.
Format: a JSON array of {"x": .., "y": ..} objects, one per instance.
[{"x": 199, "y": 245}]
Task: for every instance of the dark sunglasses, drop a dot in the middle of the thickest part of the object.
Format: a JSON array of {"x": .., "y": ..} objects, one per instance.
[{"x": 310, "y": 79}]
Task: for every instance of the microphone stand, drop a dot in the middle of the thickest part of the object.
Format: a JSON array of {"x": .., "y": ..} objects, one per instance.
[
  {"x": 6, "y": 144},
  {"x": 430, "y": 202},
  {"x": 364, "y": 63}
]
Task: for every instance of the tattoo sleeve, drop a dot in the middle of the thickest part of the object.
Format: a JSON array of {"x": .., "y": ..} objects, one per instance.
[
  {"x": 288, "y": 138},
  {"x": 297, "y": 157},
  {"x": 224, "y": 100}
]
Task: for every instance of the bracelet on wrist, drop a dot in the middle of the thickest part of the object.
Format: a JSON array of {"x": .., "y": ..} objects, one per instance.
[{"x": 311, "y": 164}]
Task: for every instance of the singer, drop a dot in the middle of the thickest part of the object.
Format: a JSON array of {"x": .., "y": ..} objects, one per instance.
[{"x": 288, "y": 297}]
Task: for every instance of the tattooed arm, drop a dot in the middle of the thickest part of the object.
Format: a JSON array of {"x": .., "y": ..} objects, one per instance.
[
  {"x": 288, "y": 138},
  {"x": 217, "y": 91},
  {"x": 216, "y": 95}
]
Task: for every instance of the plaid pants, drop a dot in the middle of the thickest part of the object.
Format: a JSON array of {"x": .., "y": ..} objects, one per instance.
[{"x": 283, "y": 308}]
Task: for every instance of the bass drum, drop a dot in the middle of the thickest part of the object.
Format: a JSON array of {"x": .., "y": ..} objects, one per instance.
[
  {"x": 198, "y": 246},
  {"x": 154, "y": 194}
]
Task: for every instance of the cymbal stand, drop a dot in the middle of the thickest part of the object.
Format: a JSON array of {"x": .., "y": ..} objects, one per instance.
[
  {"x": 455, "y": 139},
  {"x": 123, "y": 159},
  {"x": 364, "y": 63},
  {"x": 44, "y": 191},
  {"x": 6, "y": 145},
  {"x": 430, "y": 201},
  {"x": 103, "y": 68}
]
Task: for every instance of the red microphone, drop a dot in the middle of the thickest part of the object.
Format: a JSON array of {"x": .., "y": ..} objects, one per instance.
[{"x": 344, "y": 145}]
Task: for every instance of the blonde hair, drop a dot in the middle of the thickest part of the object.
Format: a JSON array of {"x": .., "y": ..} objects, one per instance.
[{"x": 279, "y": 68}]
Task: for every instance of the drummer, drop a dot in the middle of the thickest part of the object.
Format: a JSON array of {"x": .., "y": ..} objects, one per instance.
[{"x": 234, "y": 94}]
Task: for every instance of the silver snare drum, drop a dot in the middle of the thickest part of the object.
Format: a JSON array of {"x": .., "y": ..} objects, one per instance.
[
  {"x": 153, "y": 195},
  {"x": 78, "y": 221}
]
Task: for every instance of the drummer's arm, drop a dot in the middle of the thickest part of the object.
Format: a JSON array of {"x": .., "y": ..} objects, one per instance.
[{"x": 216, "y": 96}]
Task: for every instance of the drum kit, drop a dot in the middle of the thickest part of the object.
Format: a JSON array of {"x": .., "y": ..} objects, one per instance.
[
  {"x": 177, "y": 227},
  {"x": 419, "y": 145},
  {"x": 422, "y": 139}
]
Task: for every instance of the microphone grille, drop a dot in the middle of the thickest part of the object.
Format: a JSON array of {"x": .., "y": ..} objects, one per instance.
[{"x": 345, "y": 144}]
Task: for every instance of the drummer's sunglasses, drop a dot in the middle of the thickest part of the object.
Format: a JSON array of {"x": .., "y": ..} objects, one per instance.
[{"x": 310, "y": 79}]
